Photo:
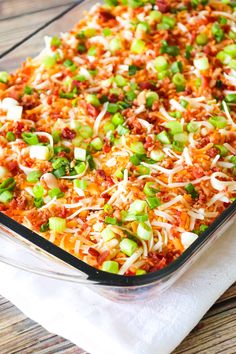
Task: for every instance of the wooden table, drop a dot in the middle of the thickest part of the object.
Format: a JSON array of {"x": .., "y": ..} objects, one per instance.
[{"x": 216, "y": 332}]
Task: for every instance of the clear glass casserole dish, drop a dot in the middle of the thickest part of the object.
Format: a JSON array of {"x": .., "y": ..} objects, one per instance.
[{"x": 22, "y": 248}]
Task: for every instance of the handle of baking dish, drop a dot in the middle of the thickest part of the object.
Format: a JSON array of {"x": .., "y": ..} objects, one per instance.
[{"x": 27, "y": 257}]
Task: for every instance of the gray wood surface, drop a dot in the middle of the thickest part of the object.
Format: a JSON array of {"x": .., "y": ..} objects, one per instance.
[{"x": 216, "y": 332}]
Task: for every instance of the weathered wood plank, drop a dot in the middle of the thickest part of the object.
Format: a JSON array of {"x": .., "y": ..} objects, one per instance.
[
  {"x": 15, "y": 29},
  {"x": 13, "y": 8},
  {"x": 214, "y": 334}
]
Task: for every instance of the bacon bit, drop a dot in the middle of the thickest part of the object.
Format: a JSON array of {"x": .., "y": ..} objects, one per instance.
[
  {"x": 93, "y": 252},
  {"x": 12, "y": 166},
  {"x": 113, "y": 98},
  {"x": 212, "y": 152},
  {"x": 68, "y": 133},
  {"x": 163, "y": 6},
  {"x": 147, "y": 85},
  {"x": 203, "y": 142},
  {"x": 149, "y": 142},
  {"x": 197, "y": 172},
  {"x": 102, "y": 174},
  {"x": 106, "y": 16},
  {"x": 106, "y": 148},
  {"x": 19, "y": 129},
  {"x": 92, "y": 111},
  {"x": 102, "y": 257}
]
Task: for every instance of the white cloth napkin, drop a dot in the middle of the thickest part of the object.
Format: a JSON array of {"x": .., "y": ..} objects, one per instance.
[{"x": 102, "y": 327}]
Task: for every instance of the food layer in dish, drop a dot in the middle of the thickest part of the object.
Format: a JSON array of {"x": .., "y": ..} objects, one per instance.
[{"x": 117, "y": 142}]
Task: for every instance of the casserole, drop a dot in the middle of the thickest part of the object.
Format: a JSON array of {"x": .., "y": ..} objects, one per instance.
[{"x": 116, "y": 280}]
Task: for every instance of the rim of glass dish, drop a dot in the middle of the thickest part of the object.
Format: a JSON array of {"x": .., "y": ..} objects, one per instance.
[{"x": 97, "y": 276}]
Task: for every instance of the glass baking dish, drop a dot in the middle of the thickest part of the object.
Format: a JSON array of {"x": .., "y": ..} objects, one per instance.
[{"x": 24, "y": 249}]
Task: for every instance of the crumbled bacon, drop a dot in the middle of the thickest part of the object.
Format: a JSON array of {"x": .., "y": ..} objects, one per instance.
[{"x": 68, "y": 133}]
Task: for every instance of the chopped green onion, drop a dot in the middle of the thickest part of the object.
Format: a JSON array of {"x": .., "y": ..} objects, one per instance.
[
  {"x": 107, "y": 208},
  {"x": 175, "y": 127},
  {"x": 149, "y": 190},
  {"x": 92, "y": 51},
  {"x": 56, "y": 135},
  {"x": 120, "y": 81},
  {"x": 80, "y": 167},
  {"x": 137, "y": 46},
  {"x": 81, "y": 184},
  {"x": 202, "y": 39},
  {"x": 233, "y": 160},
  {"x": 155, "y": 16},
  {"x": 172, "y": 50},
  {"x": 140, "y": 272},
  {"x": 151, "y": 97},
  {"x": 138, "y": 148},
  {"x": 144, "y": 231},
  {"x": 56, "y": 192},
  {"x": 188, "y": 51},
  {"x": 30, "y": 138},
  {"x": 143, "y": 170},
  {"x": 218, "y": 121},
  {"x": 4, "y": 77},
  {"x": 79, "y": 154},
  {"x": 232, "y": 34},
  {"x": 192, "y": 127},
  {"x": 128, "y": 246},
  {"x": 34, "y": 176},
  {"x": 107, "y": 234},
  {"x": 117, "y": 119},
  {"x": 135, "y": 160},
  {"x": 181, "y": 137},
  {"x": 58, "y": 162},
  {"x": 89, "y": 32},
  {"x": 176, "y": 67},
  {"x": 93, "y": 100},
  {"x": 49, "y": 61},
  {"x": 110, "y": 266},
  {"x": 57, "y": 224},
  {"x": 137, "y": 207},
  {"x": 184, "y": 103},
  {"x": 231, "y": 98},
  {"x": 86, "y": 131},
  {"x": 67, "y": 95},
  {"x": 161, "y": 63},
  {"x": 230, "y": 50},
  {"x": 168, "y": 21},
  {"x": 108, "y": 127},
  {"x": 115, "y": 45},
  {"x": 97, "y": 144},
  {"x": 223, "y": 57},
  {"x": 28, "y": 90},
  {"x": 7, "y": 185},
  {"x": 106, "y": 32},
  {"x": 153, "y": 202},
  {"x": 59, "y": 172},
  {"x": 81, "y": 48},
  {"x": 179, "y": 81},
  {"x": 201, "y": 63},
  {"x": 111, "y": 3},
  {"x": 161, "y": 75},
  {"x": 132, "y": 70},
  {"x": 44, "y": 227},
  {"x": 6, "y": 197},
  {"x": 110, "y": 220},
  {"x": 38, "y": 202},
  {"x": 112, "y": 107},
  {"x": 121, "y": 130},
  {"x": 55, "y": 41},
  {"x": 217, "y": 32},
  {"x": 222, "y": 149},
  {"x": 163, "y": 137},
  {"x": 38, "y": 191},
  {"x": 10, "y": 136},
  {"x": 190, "y": 189},
  {"x": 232, "y": 64},
  {"x": 157, "y": 155}
]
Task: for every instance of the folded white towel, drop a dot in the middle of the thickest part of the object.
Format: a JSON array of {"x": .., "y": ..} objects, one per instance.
[{"x": 102, "y": 327}]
